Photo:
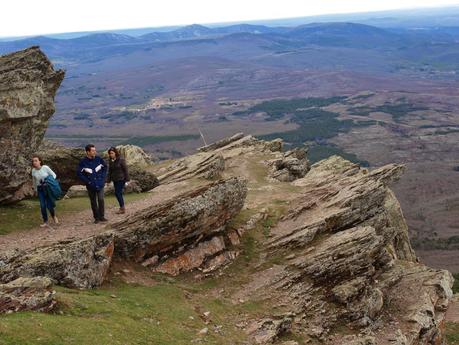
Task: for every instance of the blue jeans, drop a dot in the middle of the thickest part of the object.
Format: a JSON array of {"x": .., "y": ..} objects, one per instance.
[
  {"x": 119, "y": 187},
  {"x": 45, "y": 203}
]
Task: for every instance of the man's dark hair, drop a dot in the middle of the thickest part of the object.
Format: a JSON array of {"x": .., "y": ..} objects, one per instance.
[{"x": 88, "y": 147}]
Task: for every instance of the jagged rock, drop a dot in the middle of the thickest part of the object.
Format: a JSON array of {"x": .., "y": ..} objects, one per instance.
[
  {"x": 28, "y": 84},
  {"x": 79, "y": 190},
  {"x": 64, "y": 161},
  {"x": 81, "y": 264},
  {"x": 290, "y": 166},
  {"x": 267, "y": 331},
  {"x": 183, "y": 232},
  {"x": 192, "y": 258},
  {"x": 353, "y": 263},
  {"x": 205, "y": 165},
  {"x": 221, "y": 143},
  {"x": 275, "y": 145},
  {"x": 25, "y": 294}
]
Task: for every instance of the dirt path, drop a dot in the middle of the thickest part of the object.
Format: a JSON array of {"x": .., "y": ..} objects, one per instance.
[
  {"x": 81, "y": 224},
  {"x": 452, "y": 314}
]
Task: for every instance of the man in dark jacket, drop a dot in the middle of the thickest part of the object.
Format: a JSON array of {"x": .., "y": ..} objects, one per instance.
[{"x": 92, "y": 170}]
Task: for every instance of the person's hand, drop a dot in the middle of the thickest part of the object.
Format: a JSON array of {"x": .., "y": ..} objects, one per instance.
[
  {"x": 88, "y": 170},
  {"x": 99, "y": 167}
]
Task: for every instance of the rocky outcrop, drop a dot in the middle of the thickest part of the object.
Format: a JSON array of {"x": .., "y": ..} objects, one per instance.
[
  {"x": 25, "y": 294},
  {"x": 348, "y": 261},
  {"x": 290, "y": 166},
  {"x": 206, "y": 165},
  {"x": 64, "y": 161},
  {"x": 80, "y": 264},
  {"x": 178, "y": 235},
  {"x": 28, "y": 84},
  {"x": 135, "y": 155},
  {"x": 221, "y": 143},
  {"x": 184, "y": 233}
]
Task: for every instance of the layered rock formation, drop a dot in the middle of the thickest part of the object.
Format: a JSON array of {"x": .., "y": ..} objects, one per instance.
[
  {"x": 348, "y": 262},
  {"x": 184, "y": 233},
  {"x": 28, "y": 84},
  {"x": 170, "y": 231}
]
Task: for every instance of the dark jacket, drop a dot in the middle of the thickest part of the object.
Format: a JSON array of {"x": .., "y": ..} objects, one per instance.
[
  {"x": 53, "y": 188},
  {"x": 93, "y": 179},
  {"x": 117, "y": 170}
]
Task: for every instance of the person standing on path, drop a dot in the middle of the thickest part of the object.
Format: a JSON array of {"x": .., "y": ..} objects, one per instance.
[
  {"x": 39, "y": 173},
  {"x": 118, "y": 174},
  {"x": 92, "y": 170}
]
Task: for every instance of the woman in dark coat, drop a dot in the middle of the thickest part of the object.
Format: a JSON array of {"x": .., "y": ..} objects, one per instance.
[{"x": 118, "y": 174}]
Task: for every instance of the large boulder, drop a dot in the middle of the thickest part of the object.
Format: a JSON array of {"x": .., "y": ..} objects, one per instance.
[
  {"x": 74, "y": 263},
  {"x": 64, "y": 161},
  {"x": 28, "y": 84}
]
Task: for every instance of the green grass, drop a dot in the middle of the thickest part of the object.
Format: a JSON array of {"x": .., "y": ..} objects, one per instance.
[
  {"x": 26, "y": 214},
  {"x": 452, "y": 333},
  {"x": 456, "y": 283},
  {"x": 159, "y": 314}
]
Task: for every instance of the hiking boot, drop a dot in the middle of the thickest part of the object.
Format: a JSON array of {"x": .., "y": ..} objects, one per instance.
[
  {"x": 44, "y": 225},
  {"x": 96, "y": 221},
  {"x": 122, "y": 210},
  {"x": 56, "y": 221},
  {"x": 103, "y": 219}
]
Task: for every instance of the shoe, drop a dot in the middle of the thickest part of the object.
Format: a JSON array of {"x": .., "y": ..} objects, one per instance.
[
  {"x": 103, "y": 219},
  {"x": 44, "y": 225},
  {"x": 122, "y": 210},
  {"x": 56, "y": 221},
  {"x": 96, "y": 221}
]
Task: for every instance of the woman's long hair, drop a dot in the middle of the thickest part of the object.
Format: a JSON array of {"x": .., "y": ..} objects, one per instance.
[{"x": 115, "y": 150}]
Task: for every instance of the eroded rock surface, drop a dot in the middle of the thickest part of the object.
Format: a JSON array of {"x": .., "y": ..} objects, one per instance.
[
  {"x": 80, "y": 264},
  {"x": 185, "y": 233},
  {"x": 352, "y": 263},
  {"x": 28, "y": 84},
  {"x": 25, "y": 294}
]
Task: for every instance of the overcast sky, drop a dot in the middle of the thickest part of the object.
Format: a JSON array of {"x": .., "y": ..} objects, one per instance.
[{"x": 34, "y": 17}]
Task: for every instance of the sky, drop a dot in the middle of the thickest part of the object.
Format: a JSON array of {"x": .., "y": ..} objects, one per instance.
[{"x": 36, "y": 17}]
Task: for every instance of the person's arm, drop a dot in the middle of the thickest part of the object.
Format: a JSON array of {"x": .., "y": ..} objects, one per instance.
[
  {"x": 81, "y": 174},
  {"x": 34, "y": 182},
  {"x": 104, "y": 168},
  {"x": 125, "y": 169},
  {"x": 109, "y": 173},
  {"x": 49, "y": 171}
]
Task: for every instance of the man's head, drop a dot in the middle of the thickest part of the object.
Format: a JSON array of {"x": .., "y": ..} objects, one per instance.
[{"x": 90, "y": 151}]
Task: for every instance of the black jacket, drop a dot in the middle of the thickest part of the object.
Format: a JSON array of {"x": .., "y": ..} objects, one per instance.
[{"x": 117, "y": 170}]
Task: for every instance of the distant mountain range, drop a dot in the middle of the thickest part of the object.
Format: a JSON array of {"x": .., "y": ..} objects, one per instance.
[{"x": 98, "y": 46}]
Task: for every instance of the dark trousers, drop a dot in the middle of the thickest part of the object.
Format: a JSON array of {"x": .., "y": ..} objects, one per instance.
[
  {"x": 119, "y": 187},
  {"x": 45, "y": 203},
  {"x": 97, "y": 203}
]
